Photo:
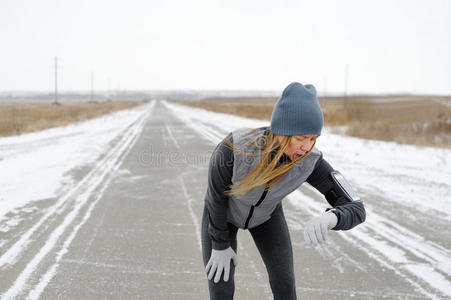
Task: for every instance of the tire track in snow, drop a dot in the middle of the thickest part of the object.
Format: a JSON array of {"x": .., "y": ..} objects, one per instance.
[
  {"x": 45, "y": 279},
  {"x": 171, "y": 135},
  {"x": 189, "y": 203},
  {"x": 194, "y": 123}
]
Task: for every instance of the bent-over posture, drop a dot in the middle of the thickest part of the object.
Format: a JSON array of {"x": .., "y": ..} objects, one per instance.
[{"x": 250, "y": 172}]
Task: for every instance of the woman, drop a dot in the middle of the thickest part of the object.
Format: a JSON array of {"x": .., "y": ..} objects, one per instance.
[{"x": 250, "y": 172}]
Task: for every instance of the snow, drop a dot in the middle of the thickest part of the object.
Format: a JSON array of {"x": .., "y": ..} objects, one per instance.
[{"x": 38, "y": 163}]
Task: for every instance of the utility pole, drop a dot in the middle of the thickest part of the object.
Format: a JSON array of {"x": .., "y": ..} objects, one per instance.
[
  {"x": 108, "y": 98},
  {"x": 346, "y": 90},
  {"x": 92, "y": 87},
  {"x": 346, "y": 80},
  {"x": 56, "y": 81}
]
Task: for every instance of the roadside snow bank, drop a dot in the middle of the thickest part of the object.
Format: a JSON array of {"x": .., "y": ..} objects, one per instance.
[{"x": 34, "y": 166}]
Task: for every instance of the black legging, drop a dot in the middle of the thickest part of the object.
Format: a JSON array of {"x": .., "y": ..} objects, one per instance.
[{"x": 273, "y": 241}]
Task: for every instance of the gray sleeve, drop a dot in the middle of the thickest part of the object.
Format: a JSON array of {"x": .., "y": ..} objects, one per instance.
[
  {"x": 350, "y": 213},
  {"x": 220, "y": 172}
]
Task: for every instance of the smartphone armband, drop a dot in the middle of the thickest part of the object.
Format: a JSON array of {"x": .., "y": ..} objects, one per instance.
[{"x": 342, "y": 184}]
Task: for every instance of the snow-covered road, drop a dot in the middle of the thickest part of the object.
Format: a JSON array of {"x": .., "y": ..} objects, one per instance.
[{"x": 100, "y": 209}]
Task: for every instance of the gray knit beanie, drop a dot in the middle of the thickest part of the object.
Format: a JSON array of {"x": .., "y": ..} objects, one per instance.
[{"x": 297, "y": 111}]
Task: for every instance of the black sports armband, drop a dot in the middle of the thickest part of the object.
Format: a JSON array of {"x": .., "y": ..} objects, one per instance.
[{"x": 343, "y": 185}]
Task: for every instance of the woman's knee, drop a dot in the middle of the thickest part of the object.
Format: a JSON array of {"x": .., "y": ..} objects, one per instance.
[
  {"x": 222, "y": 290},
  {"x": 219, "y": 291},
  {"x": 283, "y": 286}
]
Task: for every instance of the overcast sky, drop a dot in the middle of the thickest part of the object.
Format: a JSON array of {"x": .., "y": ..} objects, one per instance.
[{"x": 389, "y": 46}]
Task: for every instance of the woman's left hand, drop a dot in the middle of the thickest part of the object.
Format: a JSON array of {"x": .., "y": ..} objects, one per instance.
[{"x": 316, "y": 229}]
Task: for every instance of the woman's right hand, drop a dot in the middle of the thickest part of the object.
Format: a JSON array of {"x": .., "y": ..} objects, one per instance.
[{"x": 219, "y": 261}]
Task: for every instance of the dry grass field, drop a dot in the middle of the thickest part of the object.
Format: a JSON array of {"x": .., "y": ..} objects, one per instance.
[
  {"x": 418, "y": 120},
  {"x": 18, "y": 117}
]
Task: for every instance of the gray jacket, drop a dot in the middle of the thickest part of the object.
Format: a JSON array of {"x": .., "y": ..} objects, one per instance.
[{"x": 256, "y": 206}]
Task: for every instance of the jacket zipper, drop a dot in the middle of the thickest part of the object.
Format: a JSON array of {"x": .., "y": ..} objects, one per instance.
[{"x": 251, "y": 211}]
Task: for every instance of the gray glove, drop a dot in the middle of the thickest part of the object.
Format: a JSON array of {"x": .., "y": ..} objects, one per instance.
[
  {"x": 219, "y": 261},
  {"x": 316, "y": 229}
]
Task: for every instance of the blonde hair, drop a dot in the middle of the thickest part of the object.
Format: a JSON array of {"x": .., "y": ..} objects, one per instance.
[{"x": 266, "y": 172}]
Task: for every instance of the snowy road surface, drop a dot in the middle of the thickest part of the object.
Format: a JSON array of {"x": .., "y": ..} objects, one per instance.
[{"x": 111, "y": 208}]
